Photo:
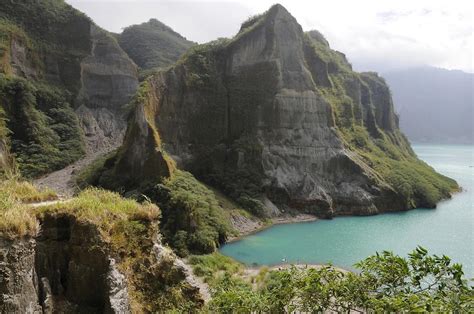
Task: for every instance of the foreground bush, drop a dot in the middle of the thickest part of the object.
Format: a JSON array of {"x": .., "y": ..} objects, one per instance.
[{"x": 385, "y": 283}]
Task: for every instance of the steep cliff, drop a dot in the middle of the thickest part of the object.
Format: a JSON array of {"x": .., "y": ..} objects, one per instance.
[
  {"x": 61, "y": 77},
  {"x": 153, "y": 44},
  {"x": 97, "y": 253},
  {"x": 274, "y": 116}
]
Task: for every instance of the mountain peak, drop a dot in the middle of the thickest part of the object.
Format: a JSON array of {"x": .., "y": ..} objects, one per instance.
[
  {"x": 276, "y": 11},
  {"x": 278, "y": 7},
  {"x": 279, "y": 12},
  {"x": 153, "y": 44}
]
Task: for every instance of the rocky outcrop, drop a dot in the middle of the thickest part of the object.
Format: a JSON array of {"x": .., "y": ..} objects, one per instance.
[
  {"x": 274, "y": 117},
  {"x": 69, "y": 268},
  {"x": 18, "y": 279},
  {"x": 66, "y": 269},
  {"x": 70, "y": 256}
]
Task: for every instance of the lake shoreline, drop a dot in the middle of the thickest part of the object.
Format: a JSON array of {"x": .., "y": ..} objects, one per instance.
[
  {"x": 255, "y": 270},
  {"x": 445, "y": 229},
  {"x": 245, "y": 230}
]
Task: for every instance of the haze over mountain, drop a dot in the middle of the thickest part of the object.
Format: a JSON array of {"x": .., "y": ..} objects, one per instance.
[
  {"x": 435, "y": 105},
  {"x": 395, "y": 34}
]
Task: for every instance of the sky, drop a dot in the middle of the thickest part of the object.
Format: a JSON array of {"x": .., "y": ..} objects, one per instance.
[{"x": 380, "y": 35}]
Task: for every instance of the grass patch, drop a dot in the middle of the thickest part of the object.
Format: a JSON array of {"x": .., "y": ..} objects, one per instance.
[
  {"x": 103, "y": 209},
  {"x": 17, "y": 219},
  {"x": 25, "y": 192},
  {"x": 212, "y": 266}
]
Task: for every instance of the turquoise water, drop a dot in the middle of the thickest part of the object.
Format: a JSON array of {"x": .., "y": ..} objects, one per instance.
[{"x": 448, "y": 229}]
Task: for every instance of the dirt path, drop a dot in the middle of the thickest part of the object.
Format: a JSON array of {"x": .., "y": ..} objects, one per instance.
[
  {"x": 47, "y": 203},
  {"x": 61, "y": 181}
]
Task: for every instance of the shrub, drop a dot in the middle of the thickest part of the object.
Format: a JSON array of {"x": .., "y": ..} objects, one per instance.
[
  {"x": 45, "y": 133},
  {"x": 192, "y": 220},
  {"x": 385, "y": 283},
  {"x": 212, "y": 265}
]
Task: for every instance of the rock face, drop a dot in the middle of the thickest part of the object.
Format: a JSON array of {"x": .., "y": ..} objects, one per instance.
[
  {"x": 274, "y": 117},
  {"x": 75, "y": 270},
  {"x": 67, "y": 269},
  {"x": 70, "y": 268},
  {"x": 108, "y": 81},
  {"x": 18, "y": 280}
]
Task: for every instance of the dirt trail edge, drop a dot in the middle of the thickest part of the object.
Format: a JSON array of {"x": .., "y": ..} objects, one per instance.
[{"x": 61, "y": 181}]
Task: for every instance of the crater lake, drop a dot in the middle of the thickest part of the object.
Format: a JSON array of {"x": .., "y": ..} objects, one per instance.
[{"x": 342, "y": 241}]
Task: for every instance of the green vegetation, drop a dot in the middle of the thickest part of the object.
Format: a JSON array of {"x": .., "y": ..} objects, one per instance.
[
  {"x": 103, "y": 209},
  {"x": 7, "y": 163},
  {"x": 45, "y": 132},
  {"x": 153, "y": 45},
  {"x": 48, "y": 29},
  {"x": 90, "y": 174},
  {"x": 385, "y": 283},
  {"x": 213, "y": 266},
  {"x": 17, "y": 219},
  {"x": 8, "y": 32},
  {"x": 193, "y": 221}
]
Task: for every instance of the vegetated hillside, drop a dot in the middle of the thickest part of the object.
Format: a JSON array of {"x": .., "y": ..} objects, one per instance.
[
  {"x": 278, "y": 121},
  {"x": 61, "y": 77},
  {"x": 153, "y": 44},
  {"x": 435, "y": 105}
]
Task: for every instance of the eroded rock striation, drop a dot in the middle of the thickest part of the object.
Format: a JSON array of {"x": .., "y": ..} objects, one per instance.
[
  {"x": 278, "y": 120},
  {"x": 108, "y": 81}
]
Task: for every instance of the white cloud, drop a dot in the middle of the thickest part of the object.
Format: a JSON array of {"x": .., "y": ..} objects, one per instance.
[{"x": 373, "y": 34}]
